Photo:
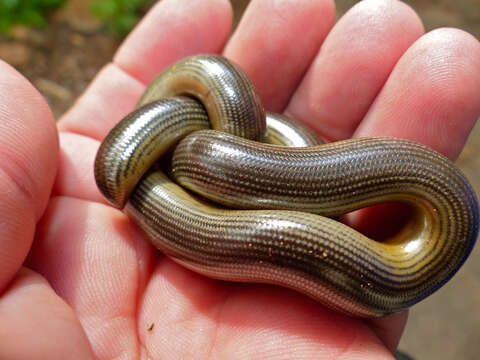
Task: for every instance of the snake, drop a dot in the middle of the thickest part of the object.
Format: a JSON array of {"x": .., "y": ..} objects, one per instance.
[{"x": 236, "y": 193}]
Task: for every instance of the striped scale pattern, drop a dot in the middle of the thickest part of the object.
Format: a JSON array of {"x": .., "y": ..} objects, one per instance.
[
  {"x": 307, "y": 252},
  {"x": 231, "y": 100},
  {"x": 340, "y": 177},
  {"x": 139, "y": 140},
  {"x": 287, "y": 248},
  {"x": 146, "y": 134},
  {"x": 330, "y": 179},
  {"x": 315, "y": 255}
]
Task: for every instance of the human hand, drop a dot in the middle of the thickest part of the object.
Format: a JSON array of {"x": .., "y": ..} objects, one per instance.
[{"x": 375, "y": 75}]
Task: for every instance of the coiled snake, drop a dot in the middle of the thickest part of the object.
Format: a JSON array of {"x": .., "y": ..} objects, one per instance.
[{"x": 274, "y": 222}]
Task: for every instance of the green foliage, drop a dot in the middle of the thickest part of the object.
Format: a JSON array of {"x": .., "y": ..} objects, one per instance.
[
  {"x": 120, "y": 16},
  {"x": 26, "y": 12}
]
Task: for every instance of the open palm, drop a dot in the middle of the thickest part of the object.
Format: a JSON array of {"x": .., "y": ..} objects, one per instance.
[{"x": 91, "y": 286}]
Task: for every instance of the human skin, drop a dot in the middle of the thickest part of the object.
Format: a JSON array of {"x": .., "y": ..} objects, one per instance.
[{"x": 79, "y": 281}]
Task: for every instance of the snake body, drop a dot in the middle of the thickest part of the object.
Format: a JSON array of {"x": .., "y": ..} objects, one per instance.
[{"x": 286, "y": 237}]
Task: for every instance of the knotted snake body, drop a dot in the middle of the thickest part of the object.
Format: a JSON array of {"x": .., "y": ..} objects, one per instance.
[{"x": 285, "y": 238}]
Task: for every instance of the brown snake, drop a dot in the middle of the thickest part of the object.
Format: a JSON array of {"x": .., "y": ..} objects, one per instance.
[{"x": 285, "y": 237}]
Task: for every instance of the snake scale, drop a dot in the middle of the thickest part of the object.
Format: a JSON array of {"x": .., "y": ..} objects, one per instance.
[{"x": 265, "y": 212}]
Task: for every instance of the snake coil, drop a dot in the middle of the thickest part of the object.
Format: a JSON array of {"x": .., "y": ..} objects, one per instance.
[{"x": 286, "y": 236}]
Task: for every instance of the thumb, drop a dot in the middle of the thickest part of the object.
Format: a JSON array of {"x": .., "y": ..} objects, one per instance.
[{"x": 28, "y": 164}]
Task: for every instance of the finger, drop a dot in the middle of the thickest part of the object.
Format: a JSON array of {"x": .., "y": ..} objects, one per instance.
[
  {"x": 293, "y": 327},
  {"x": 31, "y": 313},
  {"x": 172, "y": 29},
  {"x": 275, "y": 43},
  {"x": 111, "y": 95},
  {"x": 28, "y": 162},
  {"x": 432, "y": 94},
  {"x": 75, "y": 177},
  {"x": 352, "y": 66},
  {"x": 175, "y": 29},
  {"x": 431, "y": 97},
  {"x": 94, "y": 261},
  {"x": 282, "y": 324}
]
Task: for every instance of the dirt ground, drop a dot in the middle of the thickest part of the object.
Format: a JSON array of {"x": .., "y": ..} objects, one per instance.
[{"x": 62, "y": 59}]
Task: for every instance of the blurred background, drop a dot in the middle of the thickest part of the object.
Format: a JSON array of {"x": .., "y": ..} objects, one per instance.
[{"x": 59, "y": 45}]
